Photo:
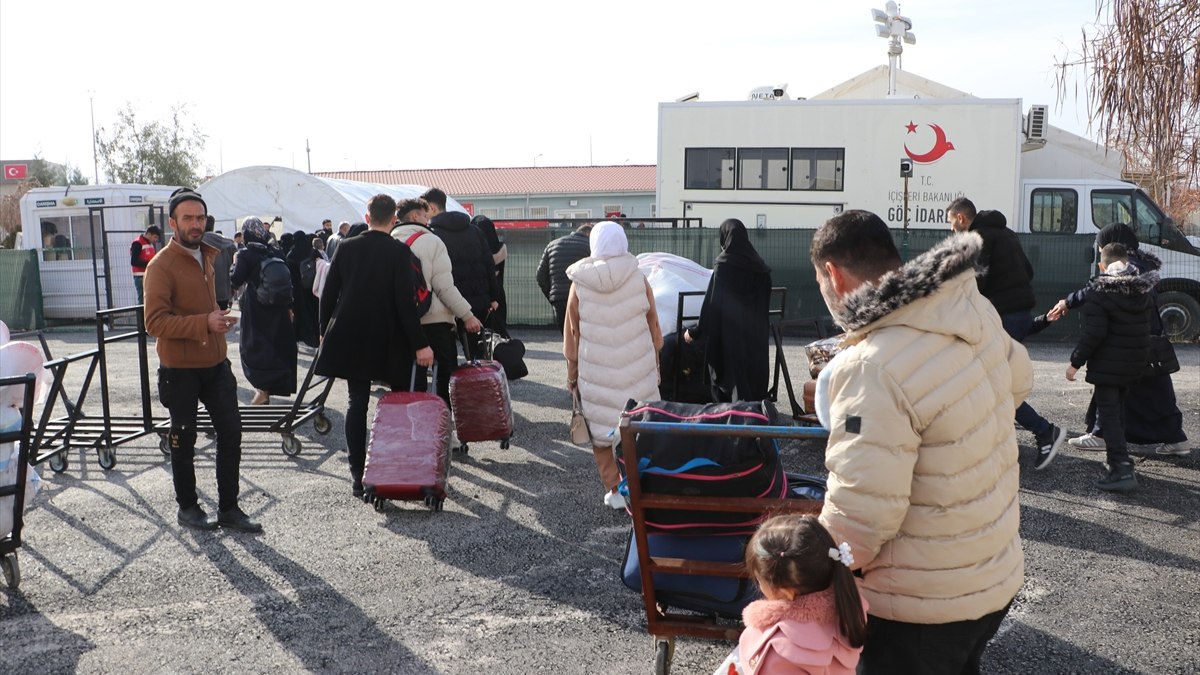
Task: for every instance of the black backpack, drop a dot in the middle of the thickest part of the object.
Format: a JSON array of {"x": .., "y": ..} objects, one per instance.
[
  {"x": 422, "y": 298},
  {"x": 308, "y": 273},
  {"x": 274, "y": 283}
]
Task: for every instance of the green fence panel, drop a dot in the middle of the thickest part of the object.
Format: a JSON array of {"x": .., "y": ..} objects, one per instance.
[
  {"x": 1062, "y": 263},
  {"x": 20, "y": 290}
]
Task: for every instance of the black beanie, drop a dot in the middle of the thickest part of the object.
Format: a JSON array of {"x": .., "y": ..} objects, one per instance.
[{"x": 184, "y": 195}]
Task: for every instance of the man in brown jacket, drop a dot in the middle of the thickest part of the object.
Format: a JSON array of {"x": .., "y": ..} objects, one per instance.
[
  {"x": 922, "y": 453},
  {"x": 182, "y": 312}
]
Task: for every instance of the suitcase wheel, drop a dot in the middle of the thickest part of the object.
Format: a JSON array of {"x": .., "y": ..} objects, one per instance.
[
  {"x": 504, "y": 444},
  {"x": 377, "y": 502},
  {"x": 464, "y": 448},
  {"x": 434, "y": 503}
]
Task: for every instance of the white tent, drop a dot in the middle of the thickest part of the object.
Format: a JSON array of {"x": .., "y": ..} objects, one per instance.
[{"x": 302, "y": 200}]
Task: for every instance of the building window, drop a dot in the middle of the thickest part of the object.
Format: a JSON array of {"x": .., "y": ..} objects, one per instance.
[
  {"x": 539, "y": 212},
  {"x": 490, "y": 213},
  {"x": 708, "y": 169},
  {"x": 818, "y": 168},
  {"x": 514, "y": 212},
  {"x": 762, "y": 168},
  {"x": 612, "y": 208},
  {"x": 1054, "y": 210}
]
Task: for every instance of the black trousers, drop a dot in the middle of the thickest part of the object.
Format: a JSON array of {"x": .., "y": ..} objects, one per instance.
[
  {"x": 560, "y": 314},
  {"x": 359, "y": 393},
  {"x": 180, "y": 390},
  {"x": 443, "y": 340},
  {"x": 900, "y": 648},
  {"x": 1110, "y": 408}
]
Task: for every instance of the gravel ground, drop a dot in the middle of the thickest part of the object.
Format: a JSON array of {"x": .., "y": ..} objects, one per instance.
[{"x": 519, "y": 573}]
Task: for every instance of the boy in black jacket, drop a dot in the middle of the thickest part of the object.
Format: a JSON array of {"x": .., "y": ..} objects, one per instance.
[{"x": 1114, "y": 344}]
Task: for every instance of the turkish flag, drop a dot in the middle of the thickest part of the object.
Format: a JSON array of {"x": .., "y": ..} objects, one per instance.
[{"x": 15, "y": 171}]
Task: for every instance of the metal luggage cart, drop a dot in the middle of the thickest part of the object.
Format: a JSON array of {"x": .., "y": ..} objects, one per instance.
[
  {"x": 662, "y": 624},
  {"x": 9, "y": 564},
  {"x": 55, "y": 435}
]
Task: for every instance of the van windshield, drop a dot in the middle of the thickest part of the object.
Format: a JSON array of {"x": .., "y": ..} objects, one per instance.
[{"x": 1135, "y": 209}]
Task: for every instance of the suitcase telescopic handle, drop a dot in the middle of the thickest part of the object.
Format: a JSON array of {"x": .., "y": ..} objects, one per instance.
[{"x": 412, "y": 382}]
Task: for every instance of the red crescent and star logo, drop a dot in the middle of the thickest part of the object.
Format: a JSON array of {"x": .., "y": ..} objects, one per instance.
[
  {"x": 940, "y": 145},
  {"x": 12, "y": 171}
]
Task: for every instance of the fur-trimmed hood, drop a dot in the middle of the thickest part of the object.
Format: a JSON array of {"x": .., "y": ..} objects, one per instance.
[
  {"x": 808, "y": 608},
  {"x": 1126, "y": 282},
  {"x": 921, "y": 277},
  {"x": 1145, "y": 261}
]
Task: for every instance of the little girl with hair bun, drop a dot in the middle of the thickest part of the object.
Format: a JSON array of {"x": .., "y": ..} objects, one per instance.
[{"x": 812, "y": 618}]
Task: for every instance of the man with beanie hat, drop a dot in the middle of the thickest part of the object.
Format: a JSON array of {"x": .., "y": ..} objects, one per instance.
[{"x": 182, "y": 312}]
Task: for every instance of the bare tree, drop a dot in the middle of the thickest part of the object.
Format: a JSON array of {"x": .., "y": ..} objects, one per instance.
[
  {"x": 1142, "y": 65},
  {"x": 151, "y": 153}
]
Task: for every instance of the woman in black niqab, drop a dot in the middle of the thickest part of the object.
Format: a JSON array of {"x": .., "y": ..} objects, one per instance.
[
  {"x": 304, "y": 303},
  {"x": 734, "y": 319}
]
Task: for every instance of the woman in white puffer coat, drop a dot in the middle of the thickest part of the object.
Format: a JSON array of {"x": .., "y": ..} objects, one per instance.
[{"x": 611, "y": 342}]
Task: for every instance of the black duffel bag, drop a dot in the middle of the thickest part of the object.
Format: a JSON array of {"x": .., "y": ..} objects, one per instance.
[
  {"x": 509, "y": 352},
  {"x": 710, "y": 466}
]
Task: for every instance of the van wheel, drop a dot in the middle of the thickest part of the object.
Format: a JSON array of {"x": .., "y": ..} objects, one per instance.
[{"x": 1180, "y": 315}]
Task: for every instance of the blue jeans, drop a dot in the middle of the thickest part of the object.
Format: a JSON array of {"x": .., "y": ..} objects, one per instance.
[{"x": 1017, "y": 325}]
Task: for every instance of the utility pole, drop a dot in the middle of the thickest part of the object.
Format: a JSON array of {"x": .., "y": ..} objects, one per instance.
[
  {"x": 95, "y": 162},
  {"x": 308, "y": 151}
]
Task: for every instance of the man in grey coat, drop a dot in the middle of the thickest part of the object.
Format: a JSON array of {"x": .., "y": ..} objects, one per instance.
[{"x": 224, "y": 261}]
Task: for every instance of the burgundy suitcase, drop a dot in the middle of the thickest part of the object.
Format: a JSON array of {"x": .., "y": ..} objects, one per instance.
[
  {"x": 408, "y": 454},
  {"x": 482, "y": 408}
]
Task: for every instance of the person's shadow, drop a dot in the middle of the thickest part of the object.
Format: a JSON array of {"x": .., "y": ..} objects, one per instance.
[{"x": 323, "y": 629}]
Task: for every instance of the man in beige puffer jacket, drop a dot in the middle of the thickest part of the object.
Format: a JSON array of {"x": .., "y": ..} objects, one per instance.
[{"x": 922, "y": 452}]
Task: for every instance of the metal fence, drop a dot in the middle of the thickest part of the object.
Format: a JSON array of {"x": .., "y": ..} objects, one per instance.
[
  {"x": 1062, "y": 263},
  {"x": 20, "y": 290}
]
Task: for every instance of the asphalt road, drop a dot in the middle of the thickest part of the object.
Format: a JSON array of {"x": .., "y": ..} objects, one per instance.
[{"x": 519, "y": 573}]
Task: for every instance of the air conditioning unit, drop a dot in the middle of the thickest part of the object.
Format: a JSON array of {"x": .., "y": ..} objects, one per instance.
[{"x": 1035, "y": 123}]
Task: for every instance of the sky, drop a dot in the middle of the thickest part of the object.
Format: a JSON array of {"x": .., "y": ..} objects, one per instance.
[{"x": 462, "y": 84}]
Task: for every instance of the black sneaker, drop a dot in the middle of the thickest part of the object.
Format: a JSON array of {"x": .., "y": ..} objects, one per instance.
[
  {"x": 357, "y": 490},
  {"x": 1120, "y": 478},
  {"x": 236, "y": 519},
  {"x": 1048, "y": 443},
  {"x": 195, "y": 518}
]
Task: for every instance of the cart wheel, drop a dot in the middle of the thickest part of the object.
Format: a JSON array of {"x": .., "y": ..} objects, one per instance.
[
  {"x": 12, "y": 570},
  {"x": 164, "y": 445},
  {"x": 291, "y": 445},
  {"x": 107, "y": 457},
  {"x": 322, "y": 425},
  {"x": 504, "y": 444},
  {"x": 663, "y": 652},
  {"x": 58, "y": 463}
]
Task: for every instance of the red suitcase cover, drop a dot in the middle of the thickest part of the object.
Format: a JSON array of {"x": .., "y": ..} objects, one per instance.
[
  {"x": 408, "y": 454},
  {"x": 482, "y": 408}
]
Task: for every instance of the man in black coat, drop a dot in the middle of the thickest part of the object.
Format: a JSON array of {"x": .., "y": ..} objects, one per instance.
[
  {"x": 552, "y": 270},
  {"x": 1005, "y": 278},
  {"x": 1113, "y": 345},
  {"x": 473, "y": 267},
  {"x": 370, "y": 329}
]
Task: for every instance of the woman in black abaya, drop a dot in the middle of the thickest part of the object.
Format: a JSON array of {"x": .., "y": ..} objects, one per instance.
[
  {"x": 303, "y": 301},
  {"x": 734, "y": 319},
  {"x": 267, "y": 342}
]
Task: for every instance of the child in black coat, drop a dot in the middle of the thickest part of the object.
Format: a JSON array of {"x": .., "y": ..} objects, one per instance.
[{"x": 1114, "y": 344}]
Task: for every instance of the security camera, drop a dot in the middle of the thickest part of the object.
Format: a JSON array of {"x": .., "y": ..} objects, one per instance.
[
  {"x": 694, "y": 96},
  {"x": 778, "y": 91},
  {"x": 906, "y": 167}
]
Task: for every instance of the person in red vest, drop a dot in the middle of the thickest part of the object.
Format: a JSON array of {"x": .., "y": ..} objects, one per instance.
[{"x": 140, "y": 252}]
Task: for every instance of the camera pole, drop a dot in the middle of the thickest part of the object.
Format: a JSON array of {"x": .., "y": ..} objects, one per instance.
[
  {"x": 904, "y": 239},
  {"x": 904, "y": 252}
]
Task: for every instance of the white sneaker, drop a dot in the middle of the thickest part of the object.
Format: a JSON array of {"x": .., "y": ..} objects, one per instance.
[
  {"x": 1178, "y": 449},
  {"x": 614, "y": 500},
  {"x": 1088, "y": 442}
]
